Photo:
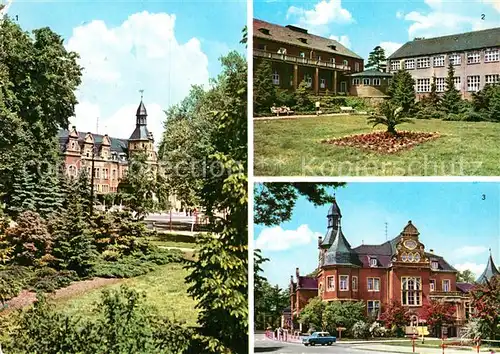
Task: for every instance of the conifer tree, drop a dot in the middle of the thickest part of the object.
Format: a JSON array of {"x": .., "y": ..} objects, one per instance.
[
  {"x": 433, "y": 97},
  {"x": 377, "y": 59},
  {"x": 47, "y": 196},
  {"x": 402, "y": 91},
  {"x": 264, "y": 92},
  {"x": 23, "y": 193},
  {"x": 451, "y": 100}
]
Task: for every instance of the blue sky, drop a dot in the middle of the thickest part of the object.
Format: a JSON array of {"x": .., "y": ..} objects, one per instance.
[
  {"x": 362, "y": 25},
  {"x": 453, "y": 220},
  {"x": 162, "y": 47}
]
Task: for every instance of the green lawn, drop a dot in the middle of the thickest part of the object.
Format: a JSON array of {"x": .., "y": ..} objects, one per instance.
[
  {"x": 292, "y": 147},
  {"x": 165, "y": 289}
]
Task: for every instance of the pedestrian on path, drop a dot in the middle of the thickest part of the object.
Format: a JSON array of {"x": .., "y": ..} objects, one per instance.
[{"x": 317, "y": 107}]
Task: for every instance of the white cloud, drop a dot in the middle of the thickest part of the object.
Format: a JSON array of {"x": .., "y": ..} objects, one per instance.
[
  {"x": 344, "y": 40},
  {"x": 435, "y": 4},
  {"x": 475, "y": 268},
  {"x": 140, "y": 53},
  {"x": 324, "y": 13},
  {"x": 469, "y": 251},
  {"x": 5, "y": 9},
  {"x": 390, "y": 47},
  {"x": 494, "y": 3},
  {"x": 277, "y": 239},
  {"x": 400, "y": 14}
]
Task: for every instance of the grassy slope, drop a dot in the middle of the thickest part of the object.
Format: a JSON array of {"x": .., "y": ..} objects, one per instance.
[
  {"x": 165, "y": 289},
  {"x": 292, "y": 148}
]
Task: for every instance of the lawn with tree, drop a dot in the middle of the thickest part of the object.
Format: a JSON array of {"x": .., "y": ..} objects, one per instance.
[{"x": 52, "y": 238}]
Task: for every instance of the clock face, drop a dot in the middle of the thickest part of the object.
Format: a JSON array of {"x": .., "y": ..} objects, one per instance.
[
  {"x": 410, "y": 244},
  {"x": 417, "y": 257}
]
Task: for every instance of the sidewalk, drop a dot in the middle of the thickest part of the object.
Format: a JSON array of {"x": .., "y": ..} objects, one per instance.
[
  {"x": 301, "y": 116},
  {"x": 406, "y": 349}
]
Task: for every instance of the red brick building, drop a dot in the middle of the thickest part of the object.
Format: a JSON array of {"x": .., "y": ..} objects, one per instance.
[
  {"x": 397, "y": 270},
  {"x": 296, "y": 56}
]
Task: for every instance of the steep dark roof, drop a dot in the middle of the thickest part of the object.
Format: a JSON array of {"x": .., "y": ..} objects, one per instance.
[
  {"x": 333, "y": 212},
  {"x": 490, "y": 271},
  {"x": 334, "y": 209},
  {"x": 443, "y": 266},
  {"x": 371, "y": 73},
  {"x": 291, "y": 35},
  {"x": 141, "y": 132},
  {"x": 340, "y": 252},
  {"x": 447, "y": 44},
  {"x": 305, "y": 282},
  {"x": 141, "y": 110},
  {"x": 464, "y": 287},
  {"x": 117, "y": 145}
]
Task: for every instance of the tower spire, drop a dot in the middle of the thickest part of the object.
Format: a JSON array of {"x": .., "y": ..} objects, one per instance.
[{"x": 142, "y": 93}]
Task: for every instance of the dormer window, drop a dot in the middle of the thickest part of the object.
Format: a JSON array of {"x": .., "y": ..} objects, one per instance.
[
  {"x": 332, "y": 47},
  {"x": 434, "y": 265},
  {"x": 264, "y": 31},
  {"x": 373, "y": 262},
  {"x": 303, "y": 40}
]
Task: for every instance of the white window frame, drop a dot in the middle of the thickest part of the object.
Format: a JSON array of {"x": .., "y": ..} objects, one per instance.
[
  {"x": 432, "y": 285},
  {"x": 322, "y": 83},
  {"x": 375, "y": 284},
  {"x": 434, "y": 265},
  {"x": 366, "y": 81},
  {"x": 409, "y": 64},
  {"x": 276, "y": 77},
  {"x": 373, "y": 261},
  {"x": 308, "y": 79},
  {"x": 423, "y": 63},
  {"x": 455, "y": 59},
  {"x": 354, "y": 283},
  {"x": 375, "y": 307},
  {"x": 491, "y": 55},
  {"x": 438, "y": 61},
  {"x": 343, "y": 283},
  {"x": 356, "y": 82},
  {"x": 345, "y": 62},
  {"x": 395, "y": 65},
  {"x": 356, "y": 66},
  {"x": 376, "y": 81},
  {"x": 492, "y": 79},
  {"x": 330, "y": 286},
  {"x": 423, "y": 85},
  {"x": 447, "y": 288},
  {"x": 473, "y": 83},
  {"x": 457, "y": 81},
  {"x": 411, "y": 291},
  {"x": 473, "y": 58},
  {"x": 440, "y": 84}
]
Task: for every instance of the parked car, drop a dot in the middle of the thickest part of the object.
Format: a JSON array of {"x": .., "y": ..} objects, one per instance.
[{"x": 323, "y": 338}]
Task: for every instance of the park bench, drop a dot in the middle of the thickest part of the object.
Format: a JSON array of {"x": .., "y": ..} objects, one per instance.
[
  {"x": 346, "y": 109},
  {"x": 281, "y": 110}
]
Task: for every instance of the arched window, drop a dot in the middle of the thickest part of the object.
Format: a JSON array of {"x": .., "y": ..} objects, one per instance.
[
  {"x": 276, "y": 77},
  {"x": 411, "y": 291}
]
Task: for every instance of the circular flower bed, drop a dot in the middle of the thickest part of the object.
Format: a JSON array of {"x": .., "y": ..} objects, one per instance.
[{"x": 383, "y": 142}]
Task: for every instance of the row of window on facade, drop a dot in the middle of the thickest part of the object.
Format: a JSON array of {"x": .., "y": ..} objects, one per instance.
[
  {"x": 473, "y": 83},
  {"x": 104, "y": 188},
  {"x": 100, "y": 173},
  {"x": 408, "y": 284},
  {"x": 308, "y": 80},
  {"x": 406, "y": 257},
  {"x": 369, "y": 81},
  {"x": 490, "y": 56}
]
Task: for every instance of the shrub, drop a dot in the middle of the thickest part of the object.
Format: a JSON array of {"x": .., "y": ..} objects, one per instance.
[
  {"x": 454, "y": 117},
  {"x": 12, "y": 280},
  {"x": 48, "y": 280},
  {"x": 429, "y": 112},
  {"x": 284, "y": 98},
  {"x": 360, "y": 330},
  {"x": 377, "y": 330}
]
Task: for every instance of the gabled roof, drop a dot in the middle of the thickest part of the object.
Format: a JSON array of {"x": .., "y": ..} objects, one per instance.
[
  {"x": 340, "y": 252},
  {"x": 304, "y": 282},
  {"x": 464, "y": 287},
  {"x": 443, "y": 265},
  {"x": 117, "y": 145},
  {"x": 449, "y": 44},
  {"x": 490, "y": 271},
  {"x": 291, "y": 34}
]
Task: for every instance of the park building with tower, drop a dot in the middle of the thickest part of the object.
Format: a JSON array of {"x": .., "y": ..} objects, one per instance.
[
  {"x": 398, "y": 270},
  {"x": 109, "y": 155}
]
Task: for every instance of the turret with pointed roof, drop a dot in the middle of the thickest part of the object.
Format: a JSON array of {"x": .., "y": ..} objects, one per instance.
[
  {"x": 141, "y": 139},
  {"x": 141, "y": 129},
  {"x": 490, "y": 271},
  {"x": 340, "y": 252},
  {"x": 334, "y": 216}
]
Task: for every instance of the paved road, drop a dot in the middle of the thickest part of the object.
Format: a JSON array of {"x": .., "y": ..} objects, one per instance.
[{"x": 264, "y": 345}]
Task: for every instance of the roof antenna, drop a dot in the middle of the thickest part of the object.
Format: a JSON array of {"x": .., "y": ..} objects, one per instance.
[
  {"x": 386, "y": 230},
  {"x": 142, "y": 93}
]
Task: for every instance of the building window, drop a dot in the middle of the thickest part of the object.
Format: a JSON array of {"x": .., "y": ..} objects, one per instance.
[
  {"x": 473, "y": 58},
  {"x": 492, "y": 79},
  {"x": 469, "y": 310},
  {"x": 376, "y": 82},
  {"x": 423, "y": 85},
  {"x": 346, "y": 63},
  {"x": 355, "y": 82},
  {"x": 438, "y": 61},
  {"x": 105, "y": 173},
  {"x": 96, "y": 173},
  {"x": 446, "y": 285},
  {"x": 308, "y": 80},
  {"x": 455, "y": 59},
  {"x": 409, "y": 64},
  {"x": 373, "y": 262},
  {"x": 423, "y": 63},
  {"x": 354, "y": 283},
  {"x": 491, "y": 55},
  {"x": 344, "y": 283},
  {"x": 432, "y": 284},
  {"x": 356, "y": 66},
  {"x": 276, "y": 78},
  {"x": 373, "y": 284},
  {"x": 434, "y": 265},
  {"x": 319, "y": 58},
  {"x": 330, "y": 283},
  {"x": 366, "y": 81},
  {"x": 332, "y": 60},
  {"x": 440, "y": 84},
  {"x": 473, "y": 83},
  {"x": 114, "y": 174},
  {"x": 411, "y": 291},
  {"x": 373, "y": 307},
  {"x": 302, "y": 54},
  {"x": 322, "y": 83},
  {"x": 395, "y": 65},
  {"x": 457, "y": 82},
  {"x": 343, "y": 86}
]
